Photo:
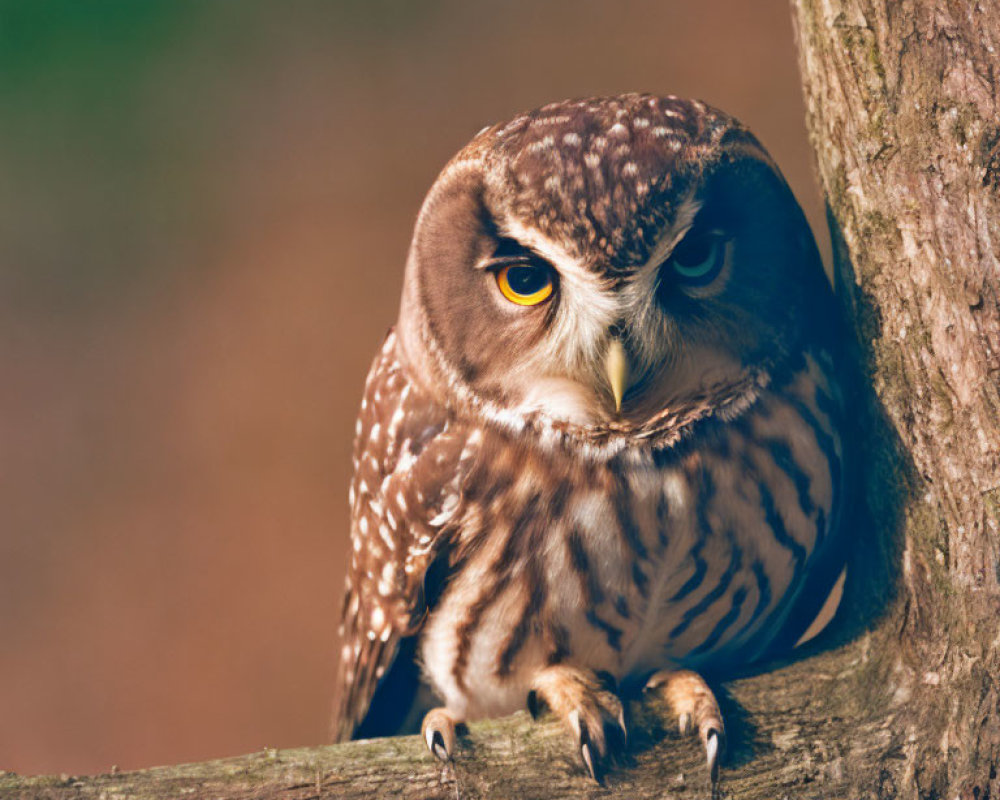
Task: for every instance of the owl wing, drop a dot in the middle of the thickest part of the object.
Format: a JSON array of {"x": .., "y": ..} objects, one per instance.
[{"x": 410, "y": 459}]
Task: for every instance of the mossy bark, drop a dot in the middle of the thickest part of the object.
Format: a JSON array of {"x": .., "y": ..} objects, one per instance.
[{"x": 902, "y": 104}]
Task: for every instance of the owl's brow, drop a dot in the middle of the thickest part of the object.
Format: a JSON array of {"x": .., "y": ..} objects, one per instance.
[
  {"x": 501, "y": 261},
  {"x": 503, "y": 256},
  {"x": 643, "y": 281},
  {"x": 536, "y": 242},
  {"x": 683, "y": 222}
]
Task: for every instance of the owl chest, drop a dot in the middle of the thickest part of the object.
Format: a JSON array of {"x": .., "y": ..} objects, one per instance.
[
  {"x": 587, "y": 571},
  {"x": 628, "y": 569}
]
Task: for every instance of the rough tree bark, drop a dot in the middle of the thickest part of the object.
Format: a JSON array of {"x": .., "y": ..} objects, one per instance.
[
  {"x": 902, "y": 108},
  {"x": 901, "y": 698}
]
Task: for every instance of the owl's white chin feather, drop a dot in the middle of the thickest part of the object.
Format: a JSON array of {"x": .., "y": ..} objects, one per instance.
[{"x": 562, "y": 399}]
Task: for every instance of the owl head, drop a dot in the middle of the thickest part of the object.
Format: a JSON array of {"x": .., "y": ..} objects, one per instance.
[{"x": 609, "y": 268}]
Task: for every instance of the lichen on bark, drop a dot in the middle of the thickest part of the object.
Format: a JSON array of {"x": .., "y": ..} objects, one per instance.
[{"x": 902, "y": 100}]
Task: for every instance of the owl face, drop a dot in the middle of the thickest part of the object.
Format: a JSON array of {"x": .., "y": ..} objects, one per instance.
[{"x": 600, "y": 263}]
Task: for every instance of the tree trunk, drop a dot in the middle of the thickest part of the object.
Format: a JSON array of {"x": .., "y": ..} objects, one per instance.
[
  {"x": 902, "y": 697},
  {"x": 902, "y": 111}
]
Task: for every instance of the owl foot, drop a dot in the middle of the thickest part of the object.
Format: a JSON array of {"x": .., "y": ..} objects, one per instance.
[
  {"x": 689, "y": 697},
  {"x": 593, "y": 714},
  {"x": 438, "y": 730}
]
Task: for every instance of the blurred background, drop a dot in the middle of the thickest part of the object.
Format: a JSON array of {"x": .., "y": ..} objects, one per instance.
[{"x": 204, "y": 212}]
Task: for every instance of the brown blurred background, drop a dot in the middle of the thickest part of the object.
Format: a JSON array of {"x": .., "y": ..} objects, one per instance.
[{"x": 204, "y": 212}]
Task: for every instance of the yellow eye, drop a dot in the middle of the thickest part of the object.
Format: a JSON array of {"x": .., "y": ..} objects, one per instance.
[{"x": 525, "y": 284}]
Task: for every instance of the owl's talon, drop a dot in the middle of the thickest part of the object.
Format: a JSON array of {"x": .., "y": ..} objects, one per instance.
[
  {"x": 588, "y": 760},
  {"x": 438, "y": 747},
  {"x": 583, "y": 740},
  {"x": 438, "y": 730},
  {"x": 689, "y": 697},
  {"x": 684, "y": 724},
  {"x": 594, "y": 715},
  {"x": 714, "y": 744}
]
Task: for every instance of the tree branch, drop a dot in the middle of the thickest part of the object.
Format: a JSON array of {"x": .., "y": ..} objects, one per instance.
[{"x": 803, "y": 731}]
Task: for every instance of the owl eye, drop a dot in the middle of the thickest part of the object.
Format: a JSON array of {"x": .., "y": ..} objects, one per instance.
[
  {"x": 525, "y": 284},
  {"x": 698, "y": 258}
]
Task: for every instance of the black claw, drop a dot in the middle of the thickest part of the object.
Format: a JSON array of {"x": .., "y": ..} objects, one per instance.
[
  {"x": 438, "y": 746},
  {"x": 587, "y": 753},
  {"x": 533, "y": 707},
  {"x": 714, "y": 744},
  {"x": 588, "y": 760}
]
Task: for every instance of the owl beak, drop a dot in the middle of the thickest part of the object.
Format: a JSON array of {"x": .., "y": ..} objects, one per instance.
[{"x": 616, "y": 367}]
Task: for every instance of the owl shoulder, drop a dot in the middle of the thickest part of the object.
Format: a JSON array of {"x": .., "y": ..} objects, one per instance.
[{"x": 410, "y": 460}]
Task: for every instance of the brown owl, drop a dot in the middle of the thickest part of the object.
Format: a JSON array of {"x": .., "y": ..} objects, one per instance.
[{"x": 601, "y": 449}]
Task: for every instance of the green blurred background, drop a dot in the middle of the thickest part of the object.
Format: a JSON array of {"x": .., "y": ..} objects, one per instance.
[{"x": 204, "y": 212}]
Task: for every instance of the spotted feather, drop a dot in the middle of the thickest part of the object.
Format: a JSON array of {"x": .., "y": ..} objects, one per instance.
[{"x": 408, "y": 468}]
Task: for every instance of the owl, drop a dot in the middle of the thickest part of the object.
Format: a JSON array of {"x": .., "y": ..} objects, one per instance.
[{"x": 601, "y": 452}]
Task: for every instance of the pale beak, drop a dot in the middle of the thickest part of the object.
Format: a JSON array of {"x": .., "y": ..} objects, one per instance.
[{"x": 616, "y": 367}]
